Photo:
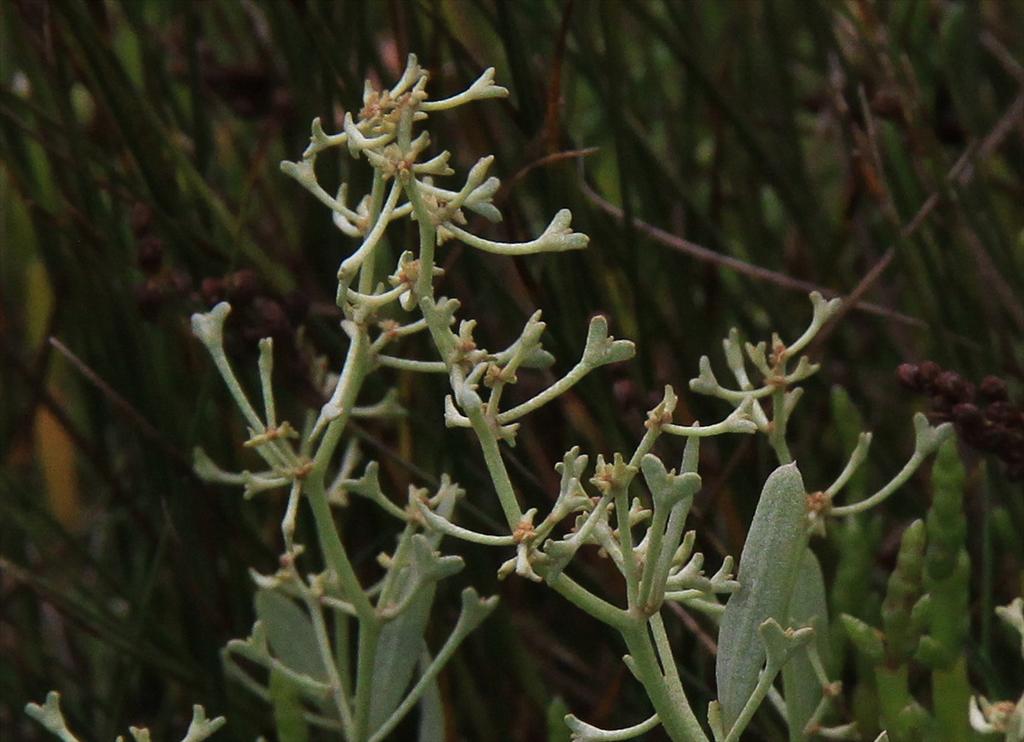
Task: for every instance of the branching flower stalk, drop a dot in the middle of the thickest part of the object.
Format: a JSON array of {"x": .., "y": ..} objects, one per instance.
[
  {"x": 643, "y": 535},
  {"x": 363, "y": 697},
  {"x": 774, "y": 607}
]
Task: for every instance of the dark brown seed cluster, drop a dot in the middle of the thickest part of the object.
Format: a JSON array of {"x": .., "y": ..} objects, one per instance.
[
  {"x": 260, "y": 312},
  {"x": 161, "y": 283},
  {"x": 983, "y": 414}
]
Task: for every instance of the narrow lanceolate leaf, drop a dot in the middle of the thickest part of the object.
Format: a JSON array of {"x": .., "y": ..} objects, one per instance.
[
  {"x": 768, "y": 570},
  {"x": 401, "y": 640},
  {"x": 807, "y": 607},
  {"x": 290, "y": 633},
  {"x": 397, "y": 654},
  {"x": 286, "y": 698}
]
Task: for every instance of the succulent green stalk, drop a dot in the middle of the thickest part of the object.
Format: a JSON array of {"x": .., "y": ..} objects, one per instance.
[{"x": 905, "y": 588}]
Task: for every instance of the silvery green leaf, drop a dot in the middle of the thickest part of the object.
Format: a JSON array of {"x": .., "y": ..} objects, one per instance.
[
  {"x": 207, "y": 470},
  {"x": 478, "y": 172},
  {"x": 388, "y": 406},
  {"x": 443, "y": 502},
  {"x": 452, "y": 417},
  {"x": 200, "y": 727},
  {"x": 402, "y": 637},
  {"x": 437, "y": 165},
  {"x": 484, "y": 87},
  {"x": 927, "y": 439},
  {"x": 583, "y": 732},
  {"x": 302, "y": 171},
  {"x": 320, "y": 140},
  {"x": 571, "y": 469},
  {"x": 51, "y": 717},
  {"x": 486, "y": 209},
  {"x": 559, "y": 553},
  {"x": 254, "y": 484},
  {"x": 290, "y": 634},
  {"x": 209, "y": 327},
  {"x": 705, "y": 383},
  {"x": 533, "y": 329},
  {"x": 480, "y": 200},
  {"x": 538, "y": 358},
  {"x": 768, "y": 570},
  {"x": 602, "y": 348},
  {"x": 804, "y": 369},
  {"x": 474, "y": 610},
  {"x": 780, "y": 644},
  {"x": 823, "y": 308},
  {"x": 807, "y": 607},
  {"x": 368, "y": 485},
  {"x": 558, "y": 235},
  {"x": 733, "y": 347},
  {"x": 397, "y": 653},
  {"x": 667, "y": 488},
  {"x": 790, "y": 399},
  {"x": 1013, "y": 616},
  {"x": 429, "y": 564},
  {"x": 442, "y": 312},
  {"x": 662, "y": 412},
  {"x": 758, "y": 356}
]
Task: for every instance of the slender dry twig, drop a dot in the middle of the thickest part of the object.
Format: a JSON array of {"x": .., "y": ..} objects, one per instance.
[
  {"x": 707, "y": 255},
  {"x": 961, "y": 173},
  {"x": 125, "y": 407}
]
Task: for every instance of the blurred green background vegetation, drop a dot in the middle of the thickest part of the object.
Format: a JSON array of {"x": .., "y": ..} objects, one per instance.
[{"x": 725, "y": 157}]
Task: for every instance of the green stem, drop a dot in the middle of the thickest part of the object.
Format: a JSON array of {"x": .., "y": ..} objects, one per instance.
[
  {"x": 428, "y": 240},
  {"x": 353, "y": 374},
  {"x": 324, "y": 642},
  {"x": 761, "y": 690},
  {"x": 554, "y": 391},
  {"x": 674, "y": 712},
  {"x": 585, "y": 600},
  {"x": 894, "y": 698},
  {"x": 779, "y": 424},
  {"x": 429, "y": 675},
  {"x": 335, "y": 554},
  {"x": 220, "y": 360},
  {"x": 366, "y": 275},
  {"x": 369, "y": 638},
  {"x": 664, "y": 647},
  {"x": 653, "y": 557},
  {"x": 673, "y": 537},
  {"x": 951, "y": 693},
  {"x": 496, "y": 467},
  {"x": 392, "y": 583},
  {"x": 629, "y": 565},
  {"x": 364, "y": 254},
  {"x": 879, "y": 497},
  {"x": 342, "y": 651}
]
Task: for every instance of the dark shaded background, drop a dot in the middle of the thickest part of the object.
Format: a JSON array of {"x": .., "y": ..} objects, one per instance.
[{"x": 868, "y": 147}]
